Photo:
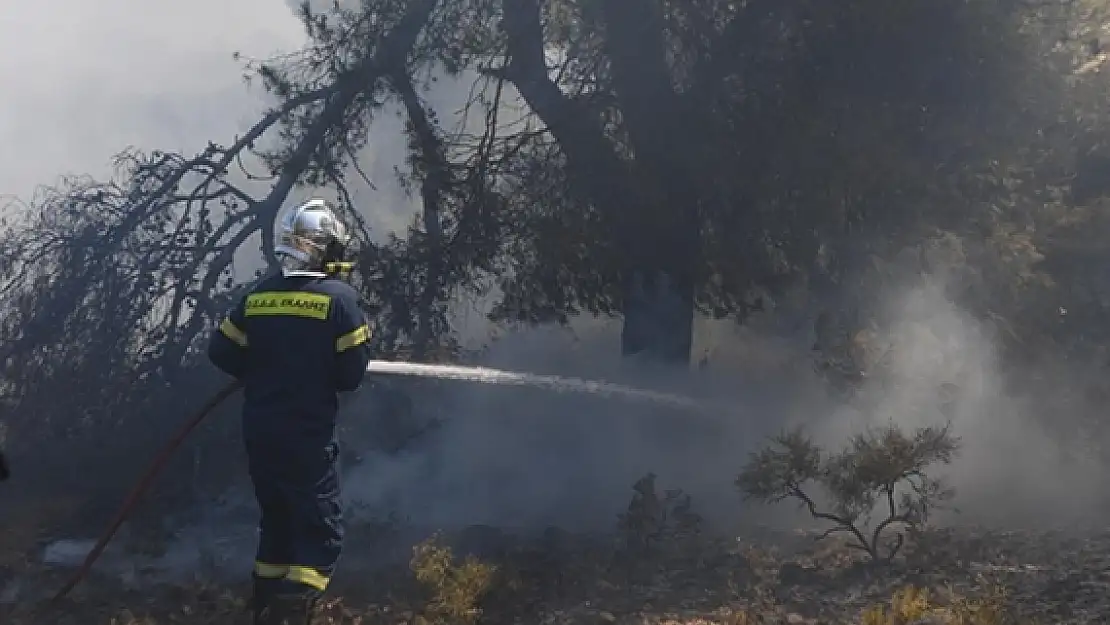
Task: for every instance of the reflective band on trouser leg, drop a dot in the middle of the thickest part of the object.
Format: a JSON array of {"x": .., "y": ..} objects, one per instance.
[
  {"x": 308, "y": 576},
  {"x": 270, "y": 571}
]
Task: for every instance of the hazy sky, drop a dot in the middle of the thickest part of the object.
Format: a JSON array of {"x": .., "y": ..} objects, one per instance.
[{"x": 84, "y": 79}]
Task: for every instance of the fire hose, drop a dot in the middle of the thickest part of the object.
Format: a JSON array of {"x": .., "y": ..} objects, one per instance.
[{"x": 144, "y": 484}]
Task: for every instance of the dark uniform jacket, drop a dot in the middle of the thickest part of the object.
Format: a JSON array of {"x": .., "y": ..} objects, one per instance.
[{"x": 294, "y": 342}]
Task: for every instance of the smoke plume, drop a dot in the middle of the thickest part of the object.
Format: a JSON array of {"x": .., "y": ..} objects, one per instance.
[{"x": 517, "y": 457}]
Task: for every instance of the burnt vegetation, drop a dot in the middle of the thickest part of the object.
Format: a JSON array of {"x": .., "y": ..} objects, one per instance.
[{"x": 651, "y": 160}]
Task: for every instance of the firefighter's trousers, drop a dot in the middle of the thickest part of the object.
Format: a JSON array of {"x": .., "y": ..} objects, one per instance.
[{"x": 301, "y": 529}]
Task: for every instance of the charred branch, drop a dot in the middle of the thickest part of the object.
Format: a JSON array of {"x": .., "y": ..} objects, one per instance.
[
  {"x": 393, "y": 51},
  {"x": 431, "y": 164},
  {"x": 592, "y": 161}
]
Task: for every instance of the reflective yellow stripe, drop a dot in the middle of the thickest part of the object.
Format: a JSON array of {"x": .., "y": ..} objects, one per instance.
[
  {"x": 358, "y": 336},
  {"x": 270, "y": 571},
  {"x": 232, "y": 331},
  {"x": 300, "y": 574},
  {"x": 307, "y": 576},
  {"x": 290, "y": 303},
  {"x": 338, "y": 267}
]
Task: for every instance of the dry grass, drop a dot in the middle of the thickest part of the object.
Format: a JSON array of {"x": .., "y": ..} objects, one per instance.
[
  {"x": 919, "y": 606},
  {"x": 446, "y": 590},
  {"x": 454, "y": 590}
]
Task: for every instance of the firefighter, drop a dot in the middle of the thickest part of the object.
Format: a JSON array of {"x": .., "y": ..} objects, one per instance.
[{"x": 295, "y": 341}]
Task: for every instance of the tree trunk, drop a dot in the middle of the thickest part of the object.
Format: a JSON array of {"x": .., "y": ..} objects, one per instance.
[
  {"x": 658, "y": 253},
  {"x": 659, "y": 288},
  {"x": 658, "y": 318},
  {"x": 432, "y": 168}
]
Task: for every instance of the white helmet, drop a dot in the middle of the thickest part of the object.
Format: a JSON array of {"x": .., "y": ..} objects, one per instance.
[{"x": 308, "y": 236}]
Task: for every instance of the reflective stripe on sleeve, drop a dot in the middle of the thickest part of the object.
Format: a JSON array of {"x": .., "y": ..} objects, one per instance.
[
  {"x": 354, "y": 338},
  {"x": 232, "y": 331}
]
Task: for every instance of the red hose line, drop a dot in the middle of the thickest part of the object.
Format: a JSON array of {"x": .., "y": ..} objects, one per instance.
[{"x": 144, "y": 484}]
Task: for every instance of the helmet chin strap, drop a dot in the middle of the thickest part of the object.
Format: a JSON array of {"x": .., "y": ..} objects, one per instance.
[
  {"x": 292, "y": 266},
  {"x": 291, "y": 263}
]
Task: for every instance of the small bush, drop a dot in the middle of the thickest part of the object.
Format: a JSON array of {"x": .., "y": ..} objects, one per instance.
[
  {"x": 455, "y": 590},
  {"x": 879, "y": 469},
  {"x": 908, "y": 605},
  {"x": 913, "y": 606},
  {"x": 653, "y": 519}
]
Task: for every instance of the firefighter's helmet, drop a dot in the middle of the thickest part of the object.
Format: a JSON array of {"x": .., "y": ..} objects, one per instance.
[{"x": 309, "y": 236}]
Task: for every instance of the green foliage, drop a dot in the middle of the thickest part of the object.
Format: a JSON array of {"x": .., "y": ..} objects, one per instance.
[
  {"x": 865, "y": 136},
  {"x": 455, "y": 590},
  {"x": 879, "y": 470}
]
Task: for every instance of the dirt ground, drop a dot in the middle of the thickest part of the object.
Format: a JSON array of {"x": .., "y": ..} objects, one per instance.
[
  {"x": 559, "y": 578},
  {"x": 642, "y": 572}
]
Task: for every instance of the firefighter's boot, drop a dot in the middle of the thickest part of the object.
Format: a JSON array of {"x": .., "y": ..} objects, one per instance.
[
  {"x": 285, "y": 610},
  {"x": 276, "y": 604}
]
